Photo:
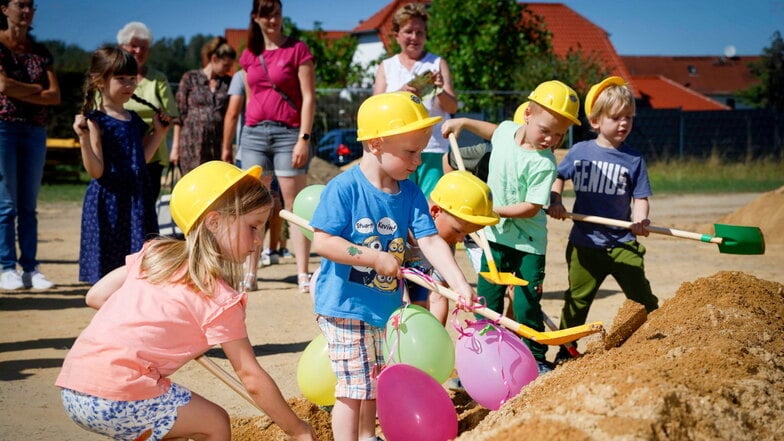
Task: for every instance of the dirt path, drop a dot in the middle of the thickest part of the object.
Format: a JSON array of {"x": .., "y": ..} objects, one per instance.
[{"x": 38, "y": 327}]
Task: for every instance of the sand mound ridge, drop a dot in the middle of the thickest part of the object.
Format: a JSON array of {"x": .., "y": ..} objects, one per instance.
[
  {"x": 708, "y": 364},
  {"x": 765, "y": 212}
]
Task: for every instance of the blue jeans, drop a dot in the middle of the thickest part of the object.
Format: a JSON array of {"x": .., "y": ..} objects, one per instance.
[{"x": 22, "y": 157}]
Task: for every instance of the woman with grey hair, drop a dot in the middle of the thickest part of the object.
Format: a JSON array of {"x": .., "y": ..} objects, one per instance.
[{"x": 151, "y": 86}]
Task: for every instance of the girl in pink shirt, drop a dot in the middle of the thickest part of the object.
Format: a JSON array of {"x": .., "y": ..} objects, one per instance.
[{"x": 170, "y": 303}]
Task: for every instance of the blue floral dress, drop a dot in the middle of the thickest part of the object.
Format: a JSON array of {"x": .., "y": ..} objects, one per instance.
[{"x": 118, "y": 213}]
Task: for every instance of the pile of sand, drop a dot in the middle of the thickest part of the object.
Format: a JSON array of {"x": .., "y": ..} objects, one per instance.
[
  {"x": 708, "y": 364},
  {"x": 765, "y": 212}
]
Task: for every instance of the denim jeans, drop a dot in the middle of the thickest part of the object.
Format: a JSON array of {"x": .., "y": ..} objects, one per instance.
[{"x": 22, "y": 157}]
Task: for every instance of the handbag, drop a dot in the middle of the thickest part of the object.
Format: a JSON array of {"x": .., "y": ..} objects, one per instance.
[{"x": 166, "y": 225}]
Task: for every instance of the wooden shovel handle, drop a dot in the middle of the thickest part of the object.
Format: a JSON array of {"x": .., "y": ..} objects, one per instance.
[
  {"x": 456, "y": 152},
  {"x": 227, "y": 378},
  {"x": 651, "y": 228}
]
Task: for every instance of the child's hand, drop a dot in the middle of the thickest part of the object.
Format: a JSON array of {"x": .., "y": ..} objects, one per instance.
[
  {"x": 161, "y": 121},
  {"x": 557, "y": 211},
  {"x": 387, "y": 264},
  {"x": 453, "y": 125},
  {"x": 641, "y": 228},
  {"x": 80, "y": 125},
  {"x": 467, "y": 298},
  {"x": 306, "y": 433}
]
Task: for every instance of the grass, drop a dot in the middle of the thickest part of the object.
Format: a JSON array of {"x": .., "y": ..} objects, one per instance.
[
  {"x": 712, "y": 176},
  {"x": 673, "y": 177}
]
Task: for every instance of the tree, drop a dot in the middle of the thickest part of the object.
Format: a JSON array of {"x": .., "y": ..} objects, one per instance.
[
  {"x": 333, "y": 58},
  {"x": 769, "y": 92},
  {"x": 484, "y": 42},
  {"x": 498, "y": 45}
]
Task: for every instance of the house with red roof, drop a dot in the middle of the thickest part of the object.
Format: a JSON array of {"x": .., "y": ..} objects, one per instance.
[
  {"x": 659, "y": 82},
  {"x": 688, "y": 83}
]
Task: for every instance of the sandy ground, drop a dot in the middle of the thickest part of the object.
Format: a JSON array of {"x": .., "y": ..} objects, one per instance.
[{"x": 39, "y": 327}]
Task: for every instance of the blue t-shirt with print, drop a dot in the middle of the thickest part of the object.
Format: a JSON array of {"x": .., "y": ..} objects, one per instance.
[
  {"x": 605, "y": 181},
  {"x": 352, "y": 208}
]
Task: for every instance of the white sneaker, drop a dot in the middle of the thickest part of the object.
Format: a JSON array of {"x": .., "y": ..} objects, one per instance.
[
  {"x": 264, "y": 258},
  {"x": 11, "y": 280},
  {"x": 36, "y": 280}
]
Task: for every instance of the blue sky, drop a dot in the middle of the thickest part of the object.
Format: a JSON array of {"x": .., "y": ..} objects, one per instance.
[{"x": 636, "y": 27}]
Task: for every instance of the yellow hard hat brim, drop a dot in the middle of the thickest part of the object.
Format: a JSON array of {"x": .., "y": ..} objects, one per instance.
[
  {"x": 421, "y": 124},
  {"x": 596, "y": 89}
]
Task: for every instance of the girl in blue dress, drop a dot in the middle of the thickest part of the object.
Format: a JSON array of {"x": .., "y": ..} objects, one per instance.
[{"x": 118, "y": 213}]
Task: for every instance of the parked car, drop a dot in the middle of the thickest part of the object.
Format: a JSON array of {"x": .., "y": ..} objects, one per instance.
[{"x": 339, "y": 146}]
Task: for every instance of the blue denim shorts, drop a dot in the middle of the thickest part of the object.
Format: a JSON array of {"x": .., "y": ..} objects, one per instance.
[
  {"x": 126, "y": 420},
  {"x": 270, "y": 144}
]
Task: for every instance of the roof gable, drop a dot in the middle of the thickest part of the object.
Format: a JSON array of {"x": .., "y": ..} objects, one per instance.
[
  {"x": 659, "y": 92},
  {"x": 706, "y": 75}
]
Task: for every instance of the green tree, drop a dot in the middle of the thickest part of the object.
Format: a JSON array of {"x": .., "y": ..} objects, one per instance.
[
  {"x": 484, "y": 42},
  {"x": 769, "y": 92}
]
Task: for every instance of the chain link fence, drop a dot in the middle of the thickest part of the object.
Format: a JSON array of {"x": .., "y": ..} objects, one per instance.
[{"x": 737, "y": 135}]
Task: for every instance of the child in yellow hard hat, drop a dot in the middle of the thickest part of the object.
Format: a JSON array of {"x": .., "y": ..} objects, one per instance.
[
  {"x": 461, "y": 204},
  {"x": 610, "y": 180},
  {"x": 361, "y": 225},
  {"x": 522, "y": 169},
  {"x": 171, "y": 302}
]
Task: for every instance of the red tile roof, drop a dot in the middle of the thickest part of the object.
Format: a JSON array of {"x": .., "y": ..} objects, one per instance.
[
  {"x": 571, "y": 30},
  {"x": 706, "y": 75},
  {"x": 663, "y": 93}
]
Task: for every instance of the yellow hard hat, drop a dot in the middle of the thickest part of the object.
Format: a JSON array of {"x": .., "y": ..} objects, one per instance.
[
  {"x": 466, "y": 197},
  {"x": 198, "y": 189},
  {"x": 596, "y": 89},
  {"x": 558, "y": 97},
  {"x": 519, "y": 115},
  {"x": 390, "y": 114}
]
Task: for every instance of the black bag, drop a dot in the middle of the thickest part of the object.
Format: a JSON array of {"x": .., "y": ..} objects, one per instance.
[
  {"x": 166, "y": 225},
  {"x": 476, "y": 159}
]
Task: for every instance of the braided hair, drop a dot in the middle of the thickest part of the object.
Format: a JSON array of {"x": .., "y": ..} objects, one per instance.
[{"x": 105, "y": 63}]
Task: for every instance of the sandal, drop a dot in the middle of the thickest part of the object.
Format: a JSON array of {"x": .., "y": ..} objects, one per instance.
[{"x": 303, "y": 280}]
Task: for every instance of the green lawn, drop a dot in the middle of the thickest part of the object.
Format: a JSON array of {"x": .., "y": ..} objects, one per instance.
[{"x": 666, "y": 177}]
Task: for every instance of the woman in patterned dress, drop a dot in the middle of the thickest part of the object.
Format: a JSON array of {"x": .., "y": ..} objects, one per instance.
[{"x": 202, "y": 97}]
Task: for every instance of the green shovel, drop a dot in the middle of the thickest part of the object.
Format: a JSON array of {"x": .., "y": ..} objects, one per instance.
[{"x": 732, "y": 239}]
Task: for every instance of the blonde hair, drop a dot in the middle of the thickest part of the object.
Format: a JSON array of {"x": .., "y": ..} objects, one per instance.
[
  {"x": 612, "y": 101},
  {"x": 198, "y": 261},
  {"x": 407, "y": 13}
]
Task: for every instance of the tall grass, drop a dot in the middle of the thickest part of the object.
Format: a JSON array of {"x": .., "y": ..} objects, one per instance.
[{"x": 714, "y": 176}]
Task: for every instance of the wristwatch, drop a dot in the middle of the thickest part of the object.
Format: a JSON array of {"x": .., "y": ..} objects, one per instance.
[{"x": 305, "y": 136}]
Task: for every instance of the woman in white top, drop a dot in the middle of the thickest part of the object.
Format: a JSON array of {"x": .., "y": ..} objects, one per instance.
[{"x": 426, "y": 75}]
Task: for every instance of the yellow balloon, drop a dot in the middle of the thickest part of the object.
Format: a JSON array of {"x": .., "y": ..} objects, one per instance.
[{"x": 315, "y": 378}]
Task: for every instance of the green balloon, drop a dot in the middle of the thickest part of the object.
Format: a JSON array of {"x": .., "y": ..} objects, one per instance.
[
  {"x": 419, "y": 340},
  {"x": 305, "y": 204}
]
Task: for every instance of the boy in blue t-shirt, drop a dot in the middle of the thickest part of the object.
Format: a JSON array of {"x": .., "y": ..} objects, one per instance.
[
  {"x": 361, "y": 224},
  {"x": 610, "y": 180}
]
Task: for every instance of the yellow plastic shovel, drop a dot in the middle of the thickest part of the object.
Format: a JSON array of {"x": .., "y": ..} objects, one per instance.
[{"x": 493, "y": 276}]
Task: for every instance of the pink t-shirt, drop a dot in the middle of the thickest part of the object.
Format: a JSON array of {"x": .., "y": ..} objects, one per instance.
[
  {"x": 265, "y": 103},
  {"x": 145, "y": 332}
]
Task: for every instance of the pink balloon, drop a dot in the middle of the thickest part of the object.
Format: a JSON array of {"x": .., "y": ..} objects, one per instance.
[
  {"x": 493, "y": 363},
  {"x": 412, "y": 406}
]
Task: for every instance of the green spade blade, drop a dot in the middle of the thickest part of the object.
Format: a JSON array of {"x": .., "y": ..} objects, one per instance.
[{"x": 737, "y": 239}]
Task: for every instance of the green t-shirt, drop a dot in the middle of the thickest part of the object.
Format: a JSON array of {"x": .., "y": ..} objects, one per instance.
[{"x": 519, "y": 175}]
